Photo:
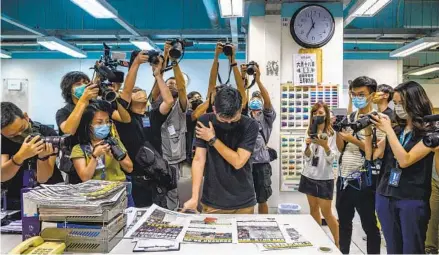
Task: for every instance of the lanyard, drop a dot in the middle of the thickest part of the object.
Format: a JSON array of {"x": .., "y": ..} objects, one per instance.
[{"x": 403, "y": 140}]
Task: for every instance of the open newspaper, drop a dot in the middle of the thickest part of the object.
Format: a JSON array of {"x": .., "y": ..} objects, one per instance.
[
  {"x": 211, "y": 230},
  {"x": 265, "y": 230},
  {"x": 293, "y": 237}
]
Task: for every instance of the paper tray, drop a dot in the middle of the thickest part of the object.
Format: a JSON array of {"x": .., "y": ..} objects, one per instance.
[{"x": 106, "y": 216}]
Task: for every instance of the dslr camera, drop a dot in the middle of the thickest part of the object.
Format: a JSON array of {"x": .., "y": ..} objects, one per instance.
[
  {"x": 342, "y": 122},
  {"x": 116, "y": 150},
  {"x": 251, "y": 67},
  {"x": 106, "y": 68},
  {"x": 227, "y": 49},
  {"x": 178, "y": 47},
  {"x": 431, "y": 139},
  {"x": 58, "y": 142}
]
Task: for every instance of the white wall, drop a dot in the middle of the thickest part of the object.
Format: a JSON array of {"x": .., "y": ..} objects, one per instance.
[{"x": 45, "y": 76}]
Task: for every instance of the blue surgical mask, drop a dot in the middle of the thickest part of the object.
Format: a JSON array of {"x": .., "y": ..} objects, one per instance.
[
  {"x": 78, "y": 91},
  {"x": 101, "y": 131},
  {"x": 359, "y": 102},
  {"x": 255, "y": 105}
]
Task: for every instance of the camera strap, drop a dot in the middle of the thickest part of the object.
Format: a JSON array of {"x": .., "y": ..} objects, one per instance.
[
  {"x": 252, "y": 84},
  {"x": 219, "y": 76}
]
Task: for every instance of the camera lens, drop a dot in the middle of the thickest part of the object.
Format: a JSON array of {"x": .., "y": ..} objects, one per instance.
[
  {"x": 431, "y": 140},
  {"x": 109, "y": 95},
  {"x": 251, "y": 70},
  {"x": 176, "y": 50},
  {"x": 228, "y": 50}
]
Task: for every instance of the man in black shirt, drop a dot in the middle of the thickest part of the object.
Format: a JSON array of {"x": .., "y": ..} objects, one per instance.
[
  {"x": 144, "y": 126},
  {"x": 195, "y": 100},
  {"x": 225, "y": 142},
  {"x": 26, "y": 160},
  {"x": 382, "y": 98}
]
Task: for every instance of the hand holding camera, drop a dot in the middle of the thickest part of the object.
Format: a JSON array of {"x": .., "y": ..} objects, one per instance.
[
  {"x": 31, "y": 147},
  {"x": 218, "y": 49},
  {"x": 49, "y": 150},
  {"x": 382, "y": 122},
  {"x": 90, "y": 92},
  {"x": 141, "y": 58},
  {"x": 100, "y": 149},
  {"x": 157, "y": 68}
]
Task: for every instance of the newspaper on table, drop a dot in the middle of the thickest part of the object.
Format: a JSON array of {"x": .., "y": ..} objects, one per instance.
[
  {"x": 155, "y": 245},
  {"x": 293, "y": 237},
  {"x": 211, "y": 230},
  {"x": 160, "y": 223},
  {"x": 262, "y": 230},
  {"x": 133, "y": 216}
]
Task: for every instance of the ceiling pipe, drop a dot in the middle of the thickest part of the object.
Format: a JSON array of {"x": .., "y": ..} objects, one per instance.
[
  {"x": 212, "y": 13},
  {"x": 17, "y": 23},
  {"x": 96, "y": 43}
]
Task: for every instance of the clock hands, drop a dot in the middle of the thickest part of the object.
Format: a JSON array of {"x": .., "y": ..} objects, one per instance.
[{"x": 313, "y": 23}]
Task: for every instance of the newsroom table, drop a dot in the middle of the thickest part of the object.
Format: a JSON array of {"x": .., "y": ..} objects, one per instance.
[{"x": 304, "y": 224}]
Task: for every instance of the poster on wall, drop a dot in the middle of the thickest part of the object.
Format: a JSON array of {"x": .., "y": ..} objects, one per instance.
[{"x": 305, "y": 69}]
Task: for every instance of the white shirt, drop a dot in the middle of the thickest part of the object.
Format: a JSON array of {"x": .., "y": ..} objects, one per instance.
[
  {"x": 352, "y": 159},
  {"x": 323, "y": 170}
]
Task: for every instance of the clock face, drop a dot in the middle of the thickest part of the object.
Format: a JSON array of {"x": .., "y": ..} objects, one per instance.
[{"x": 312, "y": 26}]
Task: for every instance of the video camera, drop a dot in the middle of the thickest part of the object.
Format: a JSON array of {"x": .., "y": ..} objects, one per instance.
[
  {"x": 251, "y": 67},
  {"x": 178, "y": 48},
  {"x": 431, "y": 139},
  {"x": 116, "y": 150},
  {"x": 342, "y": 122},
  {"x": 106, "y": 69},
  {"x": 58, "y": 142}
]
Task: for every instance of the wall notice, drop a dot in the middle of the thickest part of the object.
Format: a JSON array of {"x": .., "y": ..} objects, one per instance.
[{"x": 305, "y": 69}]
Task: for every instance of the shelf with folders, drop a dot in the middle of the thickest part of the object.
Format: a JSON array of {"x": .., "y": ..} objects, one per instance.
[{"x": 296, "y": 102}]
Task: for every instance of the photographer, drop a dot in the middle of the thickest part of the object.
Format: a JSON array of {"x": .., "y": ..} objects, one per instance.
[
  {"x": 144, "y": 126},
  {"x": 26, "y": 160},
  {"x": 225, "y": 142},
  {"x": 404, "y": 189},
  {"x": 213, "y": 88},
  {"x": 382, "y": 98},
  {"x": 351, "y": 195},
  {"x": 263, "y": 112},
  {"x": 78, "y": 93},
  {"x": 317, "y": 179},
  {"x": 431, "y": 243},
  {"x": 195, "y": 102},
  {"x": 97, "y": 157}
]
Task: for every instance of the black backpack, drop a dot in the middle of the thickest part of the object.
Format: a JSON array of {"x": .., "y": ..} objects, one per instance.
[{"x": 156, "y": 168}]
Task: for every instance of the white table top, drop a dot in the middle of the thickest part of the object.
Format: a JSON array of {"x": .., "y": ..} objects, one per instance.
[{"x": 304, "y": 224}]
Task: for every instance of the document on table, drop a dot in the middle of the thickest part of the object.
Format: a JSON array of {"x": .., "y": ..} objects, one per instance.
[
  {"x": 265, "y": 230},
  {"x": 211, "y": 230},
  {"x": 153, "y": 245}
]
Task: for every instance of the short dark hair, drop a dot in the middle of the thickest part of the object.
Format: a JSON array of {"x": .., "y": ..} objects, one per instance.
[
  {"x": 228, "y": 102},
  {"x": 386, "y": 89},
  {"x": 170, "y": 78},
  {"x": 364, "y": 81},
  {"x": 67, "y": 82},
  {"x": 84, "y": 129},
  {"x": 9, "y": 113},
  {"x": 192, "y": 94}
]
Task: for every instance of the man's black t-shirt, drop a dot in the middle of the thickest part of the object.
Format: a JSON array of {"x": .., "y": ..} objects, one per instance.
[
  {"x": 190, "y": 135},
  {"x": 389, "y": 112},
  {"x": 15, "y": 184},
  {"x": 141, "y": 128},
  {"x": 224, "y": 186},
  {"x": 415, "y": 181},
  {"x": 64, "y": 113}
]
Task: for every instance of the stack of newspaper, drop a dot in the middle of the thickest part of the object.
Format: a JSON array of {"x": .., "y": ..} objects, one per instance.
[{"x": 88, "y": 198}]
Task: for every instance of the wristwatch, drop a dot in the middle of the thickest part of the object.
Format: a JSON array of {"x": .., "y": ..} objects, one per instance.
[{"x": 212, "y": 141}]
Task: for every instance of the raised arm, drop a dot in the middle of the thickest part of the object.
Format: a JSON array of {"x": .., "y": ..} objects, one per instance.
[
  {"x": 121, "y": 114},
  {"x": 131, "y": 78},
  {"x": 201, "y": 109},
  {"x": 214, "y": 70},
  {"x": 156, "y": 90},
  {"x": 181, "y": 87},
  {"x": 168, "y": 102},
  {"x": 263, "y": 90},
  {"x": 238, "y": 78}
]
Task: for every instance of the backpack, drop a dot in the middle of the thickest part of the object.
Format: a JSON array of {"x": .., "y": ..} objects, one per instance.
[{"x": 156, "y": 168}]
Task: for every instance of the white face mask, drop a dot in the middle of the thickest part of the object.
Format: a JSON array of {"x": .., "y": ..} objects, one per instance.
[{"x": 400, "y": 112}]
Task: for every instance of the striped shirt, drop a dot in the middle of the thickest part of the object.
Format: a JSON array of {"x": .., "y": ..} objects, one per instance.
[{"x": 352, "y": 160}]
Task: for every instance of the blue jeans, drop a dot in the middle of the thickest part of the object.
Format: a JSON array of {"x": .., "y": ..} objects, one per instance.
[
  {"x": 129, "y": 193},
  {"x": 404, "y": 224}
]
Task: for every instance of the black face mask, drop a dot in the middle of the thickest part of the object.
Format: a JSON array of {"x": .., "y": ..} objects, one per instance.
[
  {"x": 196, "y": 103},
  {"x": 318, "y": 119},
  {"x": 224, "y": 125}
]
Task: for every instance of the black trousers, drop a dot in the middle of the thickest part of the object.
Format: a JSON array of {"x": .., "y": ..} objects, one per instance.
[{"x": 349, "y": 200}]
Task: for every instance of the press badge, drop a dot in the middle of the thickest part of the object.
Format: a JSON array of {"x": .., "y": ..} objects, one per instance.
[
  {"x": 315, "y": 161},
  {"x": 146, "y": 122},
  {"x": 171, "y": 130},
  {"x": 395, "y": 177}
]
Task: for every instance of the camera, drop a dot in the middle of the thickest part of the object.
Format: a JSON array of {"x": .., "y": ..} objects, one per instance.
[
  {"x": 153, "y": 56},
  {"x": 178, "y": 48},
  {"x": 431, "y": 139},
  {"x": 251, "y": 67},
  {"x": 58, "y": 142},
  {"x": 116, "y": 150},
  {"x": 363, "y": 122},
  {"x": 228, "y": 49},
  {"x": 341, "y": 122}
]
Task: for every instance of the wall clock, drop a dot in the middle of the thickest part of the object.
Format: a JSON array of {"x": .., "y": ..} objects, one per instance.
[{"x": 312, "y": 26}]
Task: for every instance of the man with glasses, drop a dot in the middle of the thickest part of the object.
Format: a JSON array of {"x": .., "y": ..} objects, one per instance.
[{"x": 351, "y": 194}]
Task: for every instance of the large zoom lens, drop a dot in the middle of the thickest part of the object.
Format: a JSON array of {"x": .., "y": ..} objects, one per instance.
[
  {"x": 251, "y": 68},
  {"x": 228, "y": 49},
  {"x": 153, "y": 57},
  {"x": 431, "y": 140},
  {"x": 176, "y": 50},
  {"x": 107, "y": 94},
  {"x": 58, "y": 142},
  {"x": 117, "y": 152}
]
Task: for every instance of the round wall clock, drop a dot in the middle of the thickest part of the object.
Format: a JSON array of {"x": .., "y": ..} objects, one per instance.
[{"x": 312, "y": 26}]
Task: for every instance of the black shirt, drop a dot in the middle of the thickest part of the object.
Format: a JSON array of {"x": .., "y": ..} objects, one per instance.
[
  {"x": 141, "y": 128},
  {"x": 389, "y": 112},
  {"x": 64, "y": 113},
  {"x": 190, "y": 135},
  {"x": 224, "y": 186},
  {"x": 415, "y": 182},
  {"x": 14, "y": 185}
]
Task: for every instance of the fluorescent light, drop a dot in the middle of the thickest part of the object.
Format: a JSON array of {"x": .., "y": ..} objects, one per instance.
[
  {"x": 424, "y": 70},
  {"x": 231, "y": 8},
  {"x": 413, "y": 47},
  {"x": 370, "y": 7},
  {"x": 99, "y": 9},
  {"x": 53, "y": 43},
  {"x": 142, "y": 43},
  {"x": 5, "y": 54}
]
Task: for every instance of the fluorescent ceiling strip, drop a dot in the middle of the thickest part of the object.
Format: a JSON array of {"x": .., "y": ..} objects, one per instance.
[
  {"x": 97, "y": 8},
  {"x": 370, "y": 7},
  {"x": 424, "y": 70},
  {"x": 413, "y": 47},
  {"x": 5, "y": 54},
  {"x": 53, "y": 43},
  {"x": 142, "y": 43},
  {"x": 231, "y": 8}
]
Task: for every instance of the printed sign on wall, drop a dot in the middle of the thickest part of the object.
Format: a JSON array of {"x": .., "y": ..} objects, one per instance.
[{"x": 305, "y": 69}]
